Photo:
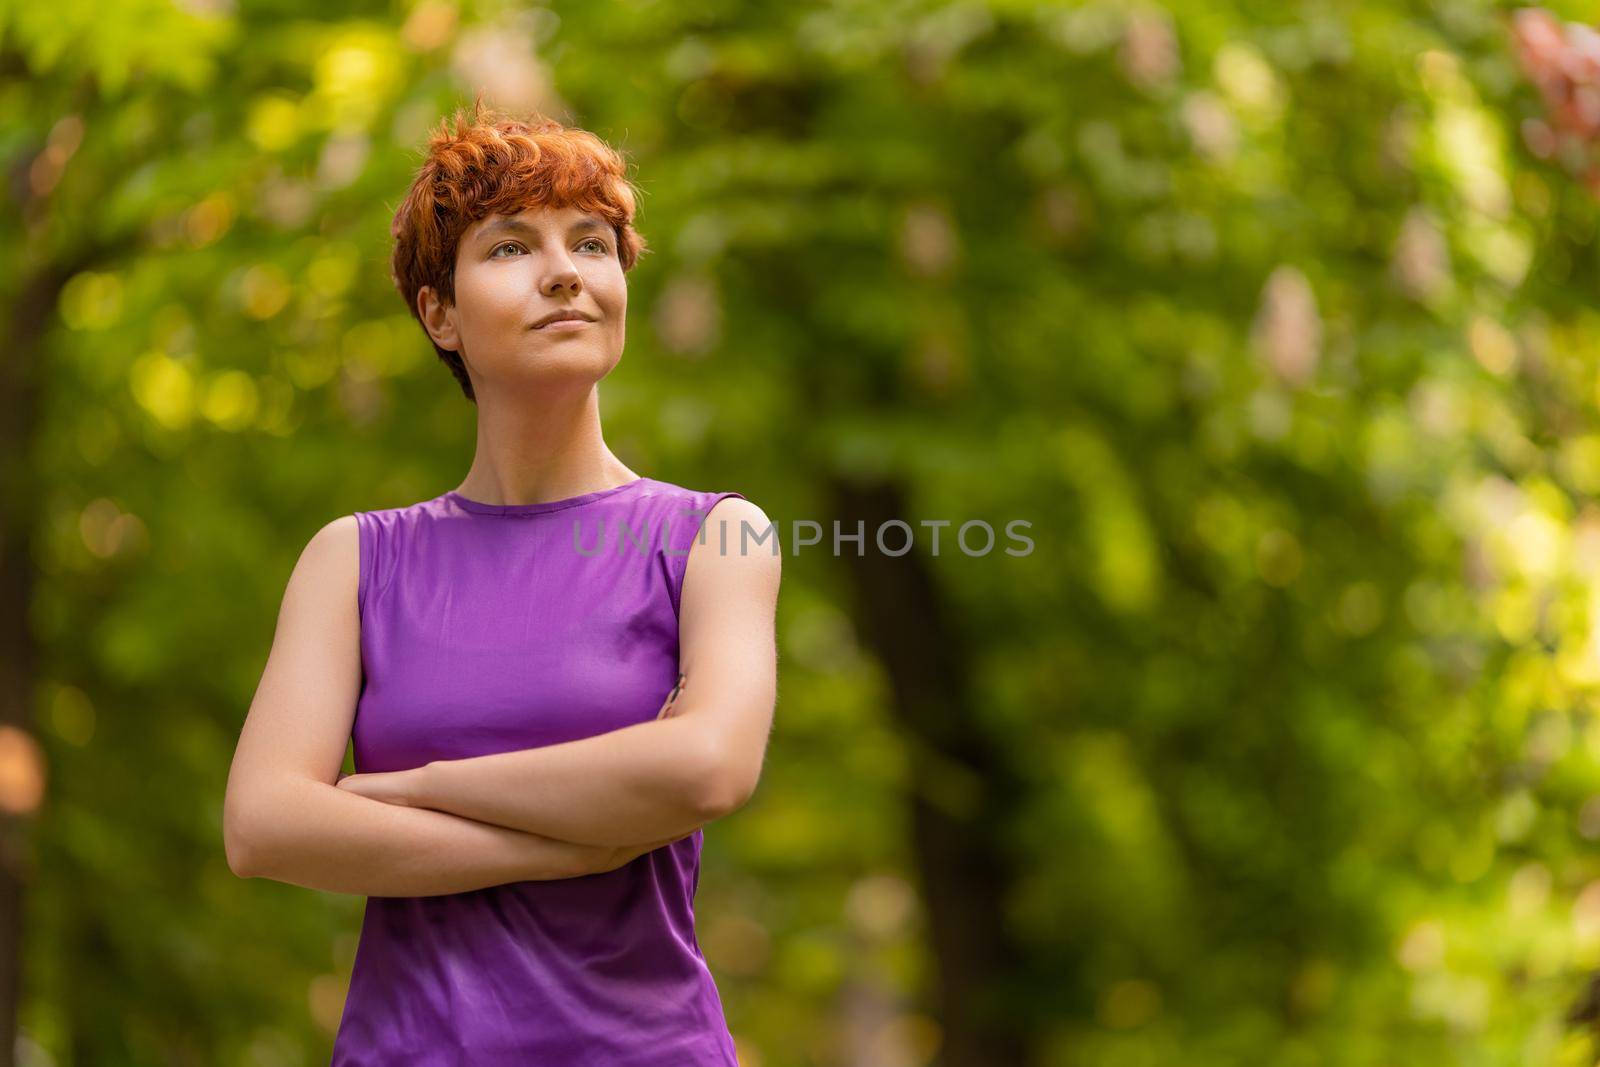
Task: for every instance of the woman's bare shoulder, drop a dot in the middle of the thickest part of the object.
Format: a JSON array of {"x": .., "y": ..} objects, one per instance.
[
  {"x": 333, "y": 549},
  {"x": 329, "y": 565}
]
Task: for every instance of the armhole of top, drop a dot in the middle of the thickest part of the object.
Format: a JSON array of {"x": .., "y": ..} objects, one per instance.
[
  {"x": 365, "y": 550},
  {"x": 692, "y": 526}
]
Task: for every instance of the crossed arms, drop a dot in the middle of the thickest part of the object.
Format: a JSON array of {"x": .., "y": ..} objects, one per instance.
[{"x": 553, "y": 812}]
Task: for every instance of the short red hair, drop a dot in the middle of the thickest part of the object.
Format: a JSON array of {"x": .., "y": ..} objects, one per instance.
[{"x": 491, "y": 164}]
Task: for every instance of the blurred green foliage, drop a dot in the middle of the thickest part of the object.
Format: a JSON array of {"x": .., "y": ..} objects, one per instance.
[{"x": 1261, "y": 314}]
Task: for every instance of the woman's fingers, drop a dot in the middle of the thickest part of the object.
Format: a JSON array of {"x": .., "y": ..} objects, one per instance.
[{"x": 666, "y": 708}]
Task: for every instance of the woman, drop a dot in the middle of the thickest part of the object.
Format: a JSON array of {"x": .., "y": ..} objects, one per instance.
[{"x": 554, "y": 675}]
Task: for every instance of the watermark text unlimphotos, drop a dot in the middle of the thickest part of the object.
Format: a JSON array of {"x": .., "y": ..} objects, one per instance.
[{"x": 892, "y": 537}]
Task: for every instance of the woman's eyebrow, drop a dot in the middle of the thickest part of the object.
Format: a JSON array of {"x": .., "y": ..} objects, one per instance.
[{"x": 505, "y": 223}]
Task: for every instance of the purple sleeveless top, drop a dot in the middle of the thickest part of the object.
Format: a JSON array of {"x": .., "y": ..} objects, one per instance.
[{"x": 484, "y": 629}]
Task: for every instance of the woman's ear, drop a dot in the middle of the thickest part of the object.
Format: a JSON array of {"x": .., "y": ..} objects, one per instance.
[{"x": 438, "y": 318}]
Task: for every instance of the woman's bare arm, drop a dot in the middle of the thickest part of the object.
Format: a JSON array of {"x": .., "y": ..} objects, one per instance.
[{"x": 283, "y": 816}]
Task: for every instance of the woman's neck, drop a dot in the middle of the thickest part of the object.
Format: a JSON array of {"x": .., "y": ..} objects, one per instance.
[{"x": 529, "y": 454}]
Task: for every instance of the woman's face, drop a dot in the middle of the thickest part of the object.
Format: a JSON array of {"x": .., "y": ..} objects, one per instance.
[{"x": 512, "y": 271}]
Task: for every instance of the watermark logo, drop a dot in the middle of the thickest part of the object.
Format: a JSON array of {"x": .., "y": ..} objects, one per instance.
[{"x": 893, "y": 537}]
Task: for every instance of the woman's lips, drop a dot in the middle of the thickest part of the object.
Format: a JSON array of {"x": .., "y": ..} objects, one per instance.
[{"x": 563, "y": 325}]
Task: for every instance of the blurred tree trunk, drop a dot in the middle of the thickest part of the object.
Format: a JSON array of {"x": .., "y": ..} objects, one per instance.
[
  {"x": 32, "y": 299},
  {"x": 32, "y": 307},
  {"x": 962, "y": 790}
]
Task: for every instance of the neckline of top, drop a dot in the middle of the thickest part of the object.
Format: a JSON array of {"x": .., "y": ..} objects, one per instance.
[{"x": 481, "y": 508}]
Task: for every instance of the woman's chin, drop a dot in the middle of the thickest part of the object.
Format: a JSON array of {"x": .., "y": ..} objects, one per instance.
[{"x": 547, "y": 371}]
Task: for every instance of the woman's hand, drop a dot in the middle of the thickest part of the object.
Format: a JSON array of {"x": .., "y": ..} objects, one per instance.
[
  {"x": 666, "y": 708},
  {"x": 391, "y": 787},
  {"x": 609, "y": 858}
]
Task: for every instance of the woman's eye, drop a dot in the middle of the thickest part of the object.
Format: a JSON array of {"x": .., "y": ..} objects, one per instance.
[{"x": 599, "y": 246}]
